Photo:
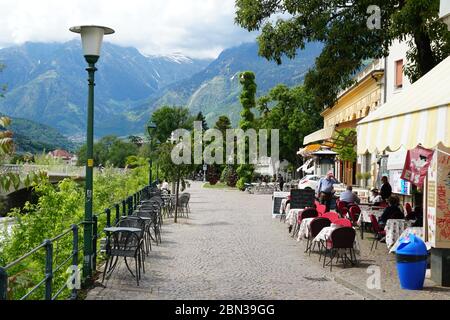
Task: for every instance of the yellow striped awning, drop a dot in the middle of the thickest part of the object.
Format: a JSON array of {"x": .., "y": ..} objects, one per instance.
[
  {"x": 418, "y": 115},
  {"x": 320, "y": 135}
]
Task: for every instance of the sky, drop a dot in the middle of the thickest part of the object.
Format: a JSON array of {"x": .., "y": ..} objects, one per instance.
[{"x": 195, "y": 28}]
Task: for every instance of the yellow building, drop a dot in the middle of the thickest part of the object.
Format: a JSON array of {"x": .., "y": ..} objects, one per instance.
[{"x": 353, "y": 104}]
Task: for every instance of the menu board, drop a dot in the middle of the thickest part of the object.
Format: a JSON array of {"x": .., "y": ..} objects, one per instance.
[
  {"x": 276, "y": 201},
  {"x": 301, "y": 199}
]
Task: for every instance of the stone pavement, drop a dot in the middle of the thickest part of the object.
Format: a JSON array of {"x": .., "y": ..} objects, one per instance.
[{"x": 230, "y": 248}]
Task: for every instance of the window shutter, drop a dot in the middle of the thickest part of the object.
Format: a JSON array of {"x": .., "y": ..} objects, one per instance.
[{"x": 399, "y": 73}]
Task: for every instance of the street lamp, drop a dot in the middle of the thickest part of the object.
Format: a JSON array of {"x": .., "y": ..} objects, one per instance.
[
  {"x": 151, "y": 127},
  {"x": 91, "y": 38}
]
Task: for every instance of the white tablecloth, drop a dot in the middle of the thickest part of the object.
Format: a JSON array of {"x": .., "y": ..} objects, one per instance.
[
  {"x": 283, "y": 206},
  {"x": 325, "y": 234},
  {"x": 394, "y": 228},
  {"x": 304, "y": 230},
  {"x": 418, "y": 231},
  {"x": 365, "y": 215},
  {"x": 291, "y": 217}
]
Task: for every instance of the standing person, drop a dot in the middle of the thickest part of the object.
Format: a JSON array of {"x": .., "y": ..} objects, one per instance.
[
  {"x": 386, "y": 189},
  {"x": 325, "y": 190},
  {"x": 281, "y": 182}
]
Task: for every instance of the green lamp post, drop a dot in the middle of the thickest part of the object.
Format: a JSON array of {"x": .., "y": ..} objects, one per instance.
[
  {"x": 92, "y": 38},
  {"x": 151, "y": 127}
]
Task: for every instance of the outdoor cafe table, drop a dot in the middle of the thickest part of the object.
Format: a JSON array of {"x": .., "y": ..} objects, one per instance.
[
  {"x": 364, "y": 218},
  {"x": 122, "y": 229},
  {"x": 304, "y": 231},
  {"x": 325, "y": 234},
  {"x": 418, "y": 231},
  {"x": 394, "y": 228},
  {"x": 283, "y": 206},
  {"x": 292, "y": 216}
]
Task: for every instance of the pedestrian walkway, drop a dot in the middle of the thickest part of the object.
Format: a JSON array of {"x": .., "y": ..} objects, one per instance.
[{"x": 229, "y": 248}]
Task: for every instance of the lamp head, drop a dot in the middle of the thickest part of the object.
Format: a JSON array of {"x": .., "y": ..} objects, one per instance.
[{"x": 92, "y": 39}]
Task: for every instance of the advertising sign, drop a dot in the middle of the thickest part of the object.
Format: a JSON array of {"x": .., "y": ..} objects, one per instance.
[
  {"x": 438, "y": 200},
  {"x": 416, "y": 165}
]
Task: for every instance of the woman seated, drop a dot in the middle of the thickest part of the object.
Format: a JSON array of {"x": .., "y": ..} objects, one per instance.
[
  {"x": 376, "y": 197},
  {"x": 392, "y": 211}
]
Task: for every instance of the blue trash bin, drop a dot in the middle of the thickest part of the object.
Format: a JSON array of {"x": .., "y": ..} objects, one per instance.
[{"x": 412, "y": 257}]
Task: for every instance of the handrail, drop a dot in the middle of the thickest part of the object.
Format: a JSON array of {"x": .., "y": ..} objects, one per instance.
[{"x": 128, "y": 205}]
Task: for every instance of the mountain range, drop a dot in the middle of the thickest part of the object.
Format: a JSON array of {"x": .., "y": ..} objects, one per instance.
[{"x": 46, "y": 83}]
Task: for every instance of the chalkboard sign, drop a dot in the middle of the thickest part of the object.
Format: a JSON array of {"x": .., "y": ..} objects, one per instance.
[
  {"x": 276, "y": 202},
  {"x": 301, "y": 199}
]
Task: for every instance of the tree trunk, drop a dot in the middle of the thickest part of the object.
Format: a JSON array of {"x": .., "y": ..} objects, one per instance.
[{"x": 176, "y": 197}]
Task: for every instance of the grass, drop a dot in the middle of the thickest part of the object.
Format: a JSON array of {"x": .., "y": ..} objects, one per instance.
[{"x": 219, "y": 185}]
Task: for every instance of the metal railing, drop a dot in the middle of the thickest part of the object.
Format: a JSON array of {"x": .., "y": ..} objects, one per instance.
[
  {"x": 123, "y": 208},
  {"x": 50, "y": 270}
]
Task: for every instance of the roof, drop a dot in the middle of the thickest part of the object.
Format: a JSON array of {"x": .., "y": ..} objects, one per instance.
[{"x": 61, "y": 154}]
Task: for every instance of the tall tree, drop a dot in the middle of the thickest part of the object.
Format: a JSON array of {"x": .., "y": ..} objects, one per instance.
[
  {"x": 349, "y": 34},
  {"x": 200, "y": 117},
  {"x": 169, "y": 119},
  {"x": 223, "y": 124},
  {"x": 248, "y": 101},
  {"x": 293, "y": 112}
]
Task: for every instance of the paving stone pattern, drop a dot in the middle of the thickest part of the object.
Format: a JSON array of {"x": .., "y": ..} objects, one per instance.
[{"x": 229, "y": 248}]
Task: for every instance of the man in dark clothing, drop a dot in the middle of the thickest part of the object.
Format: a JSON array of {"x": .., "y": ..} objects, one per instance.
[
  {"x": 391, "y": 212},
  {"x": 281, "y": 182},
  {"x": 386, "y": 189}
]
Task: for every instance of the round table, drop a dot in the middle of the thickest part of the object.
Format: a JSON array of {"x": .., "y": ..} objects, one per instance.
[{"x": 394, "y": 228}]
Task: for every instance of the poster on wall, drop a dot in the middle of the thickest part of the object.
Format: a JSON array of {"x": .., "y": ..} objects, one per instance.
[
  {"x": 399, "y": 186},
  {"x": 416, "y": 166}
]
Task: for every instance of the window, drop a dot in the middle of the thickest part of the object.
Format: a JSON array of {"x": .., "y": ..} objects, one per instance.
[{"x": 399, "y": 73}]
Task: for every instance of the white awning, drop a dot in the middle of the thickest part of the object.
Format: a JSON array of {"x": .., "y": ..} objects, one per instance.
[
  {"x": 418, "y": 115},
  {"x": 320, "y": 135}
]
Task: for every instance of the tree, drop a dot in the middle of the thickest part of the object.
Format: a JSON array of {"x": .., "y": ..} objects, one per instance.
[
  {"x": 223, "y": 124},
  {"x": 171, "y": 172},
  {"x": 109, "y": 150},
  {"x": 248, "y": 101},
  {"x": 343, "y": 27},
  {"x": 136, "y": 140},
  {"x": 293, "y": 112},
  {"x": 168, "y": 119},
  {"x": 200, "y": 117}
]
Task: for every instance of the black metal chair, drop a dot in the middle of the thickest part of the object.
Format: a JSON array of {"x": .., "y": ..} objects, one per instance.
[
  {"x": 341, "y": 240},
  {"x": 124, "y": 244},
  {"x": 315, "y": 227}
]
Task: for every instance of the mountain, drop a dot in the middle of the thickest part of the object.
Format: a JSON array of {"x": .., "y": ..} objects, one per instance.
[
  {"x": 47, "y": 83},
  {"x": 215, "y": 90},
  {"x": 35, "y": 138}
]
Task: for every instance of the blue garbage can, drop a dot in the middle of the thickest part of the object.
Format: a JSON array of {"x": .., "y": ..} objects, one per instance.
[{"x": 412, "y": 257}]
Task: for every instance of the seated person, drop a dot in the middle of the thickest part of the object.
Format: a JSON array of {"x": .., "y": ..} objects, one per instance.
[
  {"x": 348, "y": 196},
  {"x": 376, "y": 197},
  {"x": 392, "y": 211}
]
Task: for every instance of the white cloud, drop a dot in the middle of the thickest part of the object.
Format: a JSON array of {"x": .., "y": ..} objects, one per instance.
[{"x": 198, "y": 28}]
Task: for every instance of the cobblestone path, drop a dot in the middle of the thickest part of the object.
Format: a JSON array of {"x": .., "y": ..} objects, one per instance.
[{"x": 229, "y": 248}]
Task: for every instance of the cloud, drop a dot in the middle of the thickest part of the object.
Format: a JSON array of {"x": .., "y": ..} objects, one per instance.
[{"x": 197, "y": 28}]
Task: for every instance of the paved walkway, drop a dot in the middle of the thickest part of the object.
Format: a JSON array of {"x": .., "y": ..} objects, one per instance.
[{"x": 230, "y": 248}]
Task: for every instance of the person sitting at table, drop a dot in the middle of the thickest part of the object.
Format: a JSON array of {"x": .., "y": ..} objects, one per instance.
[
  {"x": 376, "y": 197},
  {"x": 349, "y": 197},
  {"x": 392, "y": 211}
]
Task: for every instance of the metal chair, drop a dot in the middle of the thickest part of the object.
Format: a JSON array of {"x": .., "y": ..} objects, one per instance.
[
  {"x": 341, "y": 240},
  {"x": 124, "y": 244},
  {"x": 315, "y": 227}
]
